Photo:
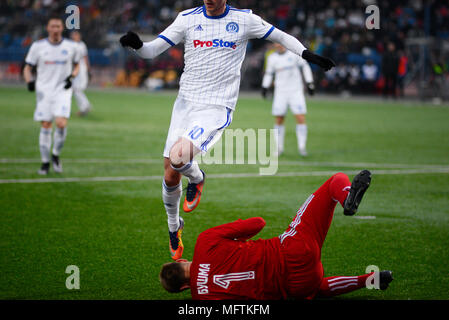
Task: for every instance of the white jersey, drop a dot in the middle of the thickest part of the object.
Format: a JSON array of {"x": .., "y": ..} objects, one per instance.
[
  {"x": 286, "y": 70},
  {"x": 215, "y": 48},
  {"x": 54, "y": 63}
]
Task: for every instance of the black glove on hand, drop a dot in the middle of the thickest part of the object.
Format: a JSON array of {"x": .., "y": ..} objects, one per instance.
[
  {"x": 264, "y": 92},
  {"x": 131, "y": 40},
  {"x": 323, "y": 62},
  {"x": 311, "y": 88},
  {"x": 31, "y": 86},
  {"x": 68, "y": 82}
]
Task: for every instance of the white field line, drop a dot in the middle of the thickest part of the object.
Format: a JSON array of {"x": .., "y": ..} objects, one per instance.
[
  {"x": 286, "y": 163},
  {"x": 224, "y": 176}
]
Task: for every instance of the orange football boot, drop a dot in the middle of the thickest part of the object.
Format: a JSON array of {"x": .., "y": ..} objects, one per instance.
[
  {"x": 175, "y": 243},
  {"x": 193, "y": 195}
]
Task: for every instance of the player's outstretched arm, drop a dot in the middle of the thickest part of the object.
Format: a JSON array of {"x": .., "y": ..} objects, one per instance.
[
  {"x": 293, "y": 44},
  {"x": 147, "y": 50},
  {"x": 239, "y": 229}
]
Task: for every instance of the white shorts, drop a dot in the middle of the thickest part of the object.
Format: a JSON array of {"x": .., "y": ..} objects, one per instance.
[
  {"x": 50, "y": 106},
  {"x": 295, "y": 100},
  {"x": 202, "y": 124}
]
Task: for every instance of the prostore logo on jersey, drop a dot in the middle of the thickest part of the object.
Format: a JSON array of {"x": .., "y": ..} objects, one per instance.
[
  {"x": 216, "y": 43},
  {"x": 62, "y": 62}
]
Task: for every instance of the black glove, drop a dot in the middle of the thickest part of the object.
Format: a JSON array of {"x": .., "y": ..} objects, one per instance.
[
  {"x": 311, "y": 88},
  {"x": 323, "y": 62},
  {"x": 68, "y": 82},
  {"x": 131, "y": 40},
  {"x": 264, "y": 92},
  {"x": 31, "y": 86}
]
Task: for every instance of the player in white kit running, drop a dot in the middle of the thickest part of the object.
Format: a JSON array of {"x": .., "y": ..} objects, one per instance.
[
  {"x": 285, "y": 66},
  {"x": 81, "y": 80},
  {"x": 56, "y": 60},
  {"x": 215, "y": 36}
]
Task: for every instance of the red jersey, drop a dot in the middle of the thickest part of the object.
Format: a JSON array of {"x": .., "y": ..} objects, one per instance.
[{"x": 226, "y": 265}]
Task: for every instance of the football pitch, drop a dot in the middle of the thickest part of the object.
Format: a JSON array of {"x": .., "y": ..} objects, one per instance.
[{"x": 105, "y": 215}]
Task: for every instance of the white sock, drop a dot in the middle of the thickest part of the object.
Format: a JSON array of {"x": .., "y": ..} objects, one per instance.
[
  {"x": 59, "y": 139},
  {"x": 192, "y": 171},
  {"x": 279, "y": 136},
  {"x": 171, "y": 197},
  {"x": 301, "y": 135},
  {"x": 45, "y": 144}
]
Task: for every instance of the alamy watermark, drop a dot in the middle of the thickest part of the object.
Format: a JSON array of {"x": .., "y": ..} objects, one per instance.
[
  {"x": 73, "y": 280},
  {"x": 238, "y": 146},
  {"x": 72, "y": 22},
  {"x": 373, "y": 281},
  {"x": 373, "y": 19}
]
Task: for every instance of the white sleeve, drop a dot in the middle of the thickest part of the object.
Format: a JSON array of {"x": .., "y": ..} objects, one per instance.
[
  {"x": 175, "y": 33},
  {"x": 306, "y": 70},
  {"x": 288, "y": 41},
  {"x": 32, "y": 55},
  {"x": 153, "y": 48},
  {"x": 83, "y": 49},
  {"x": 78, "y": 54},
  {"x": 258, "y": 28},
  {"x": 269, "y": 72}
]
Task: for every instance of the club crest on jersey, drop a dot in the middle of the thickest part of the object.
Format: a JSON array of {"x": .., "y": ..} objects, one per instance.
[
  {"x": 232, "y": 27},
  {"x": 216, "y": 43},
  {"x": 64, "y": 52}
]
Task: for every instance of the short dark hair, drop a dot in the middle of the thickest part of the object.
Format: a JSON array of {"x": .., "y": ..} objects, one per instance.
[
  {"x": 172, "y": 277},
  {"x": 55, "y": 16}
]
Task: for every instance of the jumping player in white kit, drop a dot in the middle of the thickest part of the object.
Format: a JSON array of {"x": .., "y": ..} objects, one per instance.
[
  {"x": 215, "y": 36},
  {"x": 81, "y": 80},
  {"x": 56, "y": 60},
  {"x": 285, "y": 66}
]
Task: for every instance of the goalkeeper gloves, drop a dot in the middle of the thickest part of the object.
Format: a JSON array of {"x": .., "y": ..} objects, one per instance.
[
  {"x": 132, "y": 40},
  {"x": 311, "y": 88},
  {"x": 325, "y": 63},
  {"x": 264, "y": 92},
  {"x": 68, "y": 82},
  {"x": 31, "y": 86}
]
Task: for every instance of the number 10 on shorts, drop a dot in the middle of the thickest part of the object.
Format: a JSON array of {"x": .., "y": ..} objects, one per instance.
[{"x": 196, "y": 132}]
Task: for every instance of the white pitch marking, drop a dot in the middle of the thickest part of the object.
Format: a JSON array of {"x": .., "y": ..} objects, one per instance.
[
  {"x": 224, "y": 176},
  {"x": 365, "y": 217},
  {"x": 287, "y": 163}
]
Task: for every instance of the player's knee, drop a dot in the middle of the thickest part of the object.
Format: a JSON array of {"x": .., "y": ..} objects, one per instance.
[
  {"x": 61, "y": 123},
  {"x": 300, "y": 119},
  {"x": 46, "y": 124},
  {"x": 279, "y": 120},
  {"x": 181, "y": 153}
]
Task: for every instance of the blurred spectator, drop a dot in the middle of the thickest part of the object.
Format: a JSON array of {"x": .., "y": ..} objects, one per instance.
[
  {"x": 402, "y": 71},
  {"x": 390, "y": 66},
  {"x": 370, "y": 75}
]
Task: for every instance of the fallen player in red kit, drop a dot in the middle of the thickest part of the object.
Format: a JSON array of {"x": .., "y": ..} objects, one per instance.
[{"x": 226, "y": 265}]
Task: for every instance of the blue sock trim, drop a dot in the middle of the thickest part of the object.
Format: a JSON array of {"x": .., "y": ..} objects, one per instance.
[
  {"x": 171, "y": 189},
  {"x": 183, "y": 168}
]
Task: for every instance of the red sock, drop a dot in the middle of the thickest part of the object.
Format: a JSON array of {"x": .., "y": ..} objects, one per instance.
[
  {"x": 334, "y": 286},
  {"x": 339, "y": 187}
]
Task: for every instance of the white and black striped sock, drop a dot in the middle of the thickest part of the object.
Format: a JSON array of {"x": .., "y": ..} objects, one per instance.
[{"x": 45, "y": 144}]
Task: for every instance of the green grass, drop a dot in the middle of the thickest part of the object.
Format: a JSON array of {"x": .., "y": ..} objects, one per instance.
[{"x": 116, "y": 232}]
